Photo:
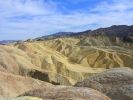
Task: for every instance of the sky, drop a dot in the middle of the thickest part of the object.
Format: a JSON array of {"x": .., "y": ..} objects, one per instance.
[{"x": 23, "y": 19}]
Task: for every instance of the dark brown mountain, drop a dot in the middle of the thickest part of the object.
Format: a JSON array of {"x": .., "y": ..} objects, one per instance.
[{"x": 122, "y": 31}]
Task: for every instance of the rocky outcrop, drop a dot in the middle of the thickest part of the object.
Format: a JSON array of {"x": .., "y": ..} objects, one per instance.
[
  {"x": 116, "y": 83},
  {"x": 67, "y": 93}
]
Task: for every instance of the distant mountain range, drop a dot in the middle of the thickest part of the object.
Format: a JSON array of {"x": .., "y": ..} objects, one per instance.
[
  {"x": 56, "y": 35},
  {"x": 122, "y": 31},
  {"x": 119, "y": 31}
]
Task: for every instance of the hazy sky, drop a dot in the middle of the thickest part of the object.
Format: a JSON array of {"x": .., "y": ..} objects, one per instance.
[{"x": 21, "y": 19}]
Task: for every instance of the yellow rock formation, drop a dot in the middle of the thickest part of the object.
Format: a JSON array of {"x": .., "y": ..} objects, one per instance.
[{"x": 64, "y": 60}]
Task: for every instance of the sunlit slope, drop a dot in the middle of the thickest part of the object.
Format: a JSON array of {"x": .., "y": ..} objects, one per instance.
[
  {"x": 65, "y": 60},
  {"x": 94, "y": 52},
  {"x": 41, "y": 62}
]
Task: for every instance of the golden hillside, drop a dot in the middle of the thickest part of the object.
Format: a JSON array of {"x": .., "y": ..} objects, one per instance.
[{"x": 65, "y": 60}]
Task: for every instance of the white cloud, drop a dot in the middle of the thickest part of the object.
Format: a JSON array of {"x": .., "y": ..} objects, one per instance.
[{"x": 46, "y": 17}]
